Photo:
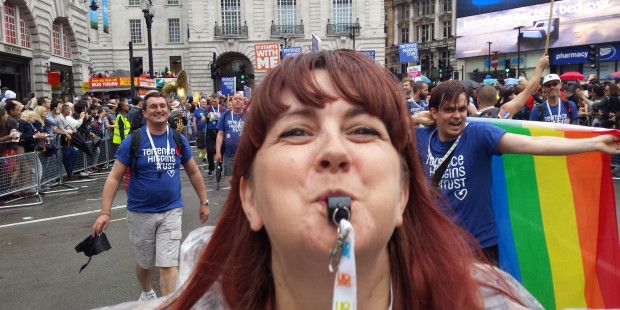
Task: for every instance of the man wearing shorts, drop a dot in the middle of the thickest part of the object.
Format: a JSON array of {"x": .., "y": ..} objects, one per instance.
[
  {"x": 154, "y": 203},
  {"x": 199, "y": 128},
  {"x": 229, "y": 129}
]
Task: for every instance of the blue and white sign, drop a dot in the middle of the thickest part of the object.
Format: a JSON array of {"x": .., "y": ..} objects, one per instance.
[
  {"x": 228, "y": 85},
  {"x": 408, "y": 52},
  {"x": 247, "y": 92},
  {"x": 316, "y": 43},
  {"x": 579, "y": 54},
  {"x": 370, "y": 53},
  {"x": 291, "y": 51}
]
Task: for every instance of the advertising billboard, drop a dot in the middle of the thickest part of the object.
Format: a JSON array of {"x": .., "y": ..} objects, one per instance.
[{"x": 575, "y": 22}]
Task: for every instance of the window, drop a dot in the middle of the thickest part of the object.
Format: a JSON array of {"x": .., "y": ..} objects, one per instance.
[
  {"x": 134, "y": 2},
  {"x": 9, "y": 23},
  {"x": 135, "y": 30},
  {"x": 447, "y": 29},
  {"x": 425, "y": 33},
  {"x": 404, "y": 35},
  {"x": 446, "y": 5},
  {"x": 65, "y": 44},
  {"x": 174, "y": 30},
  {"x": 287, "y": 12},
  {"x": 404, "y": 12},
  {"x": 56, "y": 39},
  {"x": 176, "y": 64},
  {"x": 342, "y": 12},
  {"x": 173, "y": 1},
  {"x": 426, "y": 7},
  {"x": 24, "y": 31},
  {"x": 231, "y": 17}
]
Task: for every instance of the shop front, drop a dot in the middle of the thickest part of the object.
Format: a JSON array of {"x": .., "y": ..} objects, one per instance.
[
  {"x": 576, "y": 58},
  {"x": 62, "y": 88},
  {"x": 15, "y": 69}
]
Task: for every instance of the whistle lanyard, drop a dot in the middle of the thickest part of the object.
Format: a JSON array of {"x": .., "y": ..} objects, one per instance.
[
  {"x": 431, "y": 159},
  {"x": 157, "y": 157},
  {"x": 345, "y": 282},
  {"x": 553, "y": 120}
]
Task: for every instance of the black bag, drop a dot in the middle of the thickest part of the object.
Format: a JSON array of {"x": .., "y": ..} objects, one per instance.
[
  {"x": 96, "y": 141},
  {"x": 93, "y": 246},
  {"x": 46, "y": 147}
]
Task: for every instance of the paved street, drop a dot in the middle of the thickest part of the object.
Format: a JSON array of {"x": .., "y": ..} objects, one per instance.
[{"x": 39, "y": 267}]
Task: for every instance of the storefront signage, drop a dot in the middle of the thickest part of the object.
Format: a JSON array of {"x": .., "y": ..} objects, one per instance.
[
  {"x": 579, "y": 54},
  {"x": 53, "y": 77},
  {"x": 120, "y": 81},
  {"x": 408, "y": 52},
  {"x": 12, "y": 49},
  {"x": 56, "y": 88},
  {"x": 85, "y": 86},
  {"x": 502, "y": 61}
]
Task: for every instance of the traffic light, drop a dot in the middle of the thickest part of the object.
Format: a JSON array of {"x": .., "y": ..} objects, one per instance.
[
  {"x": 507, "y": 66},
  {"x": 137, "y": 66},
  {"x": 214, "y": 73},
  {"x": 242, "y": 76},
  {"x": 513, "y": 73},
  {"x": 476, "y": 74},
  {"x": 592, "y": 55},
  {"x": 442, "y": 70},
  {"x": 448, "y": 74}
]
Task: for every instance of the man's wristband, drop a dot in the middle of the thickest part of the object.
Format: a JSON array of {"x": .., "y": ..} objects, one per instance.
[
  {"x": 103, "y": 213},
  {"x": 206, "y": 202}
]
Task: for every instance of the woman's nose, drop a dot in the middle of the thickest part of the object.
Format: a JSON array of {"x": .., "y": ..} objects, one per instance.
[{"x": 333, "y": 155}]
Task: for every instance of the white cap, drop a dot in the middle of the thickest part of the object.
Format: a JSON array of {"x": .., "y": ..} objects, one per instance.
[
  {"x": 551, "y": 77},
  {"x": 9, "y": 94},
  {"x": 175, "y": 104}
]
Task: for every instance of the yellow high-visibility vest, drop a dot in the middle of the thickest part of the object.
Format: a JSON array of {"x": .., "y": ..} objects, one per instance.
[{"x": 120, "y": 119}]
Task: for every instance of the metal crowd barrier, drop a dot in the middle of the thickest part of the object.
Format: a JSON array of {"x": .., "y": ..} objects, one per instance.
[{"x": 31, "y": 174}]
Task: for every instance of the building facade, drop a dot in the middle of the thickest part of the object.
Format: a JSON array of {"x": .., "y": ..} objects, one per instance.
[
  {"x": 191, "y": 34},
  {"x": 42, "y": 36},
  {"x": 427, "y": 22}
]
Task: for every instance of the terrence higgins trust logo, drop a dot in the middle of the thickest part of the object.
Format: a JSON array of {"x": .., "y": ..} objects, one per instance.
[{"x": 607, "y": 52}]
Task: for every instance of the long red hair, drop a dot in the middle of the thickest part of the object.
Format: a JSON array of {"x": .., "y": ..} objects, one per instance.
[{"x": 430, "y": 261}]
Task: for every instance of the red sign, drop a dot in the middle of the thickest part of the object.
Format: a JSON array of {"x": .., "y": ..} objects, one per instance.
[
  {"x": 494, "y": 61},
  {"x": 53, "y": 78},
  {"x": 119, "y": 82}
]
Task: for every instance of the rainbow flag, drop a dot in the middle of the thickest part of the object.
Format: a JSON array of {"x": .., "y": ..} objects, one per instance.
[{"x": 556, "y": 218}]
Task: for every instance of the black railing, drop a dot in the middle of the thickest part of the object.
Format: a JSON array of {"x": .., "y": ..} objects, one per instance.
[
  {"x": 233, "y": 31},
  {"x": 287, "y": 29},
  {"x": 343, "y": 28}
]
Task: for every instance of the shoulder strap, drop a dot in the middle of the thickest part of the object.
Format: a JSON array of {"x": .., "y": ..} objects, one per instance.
[
  {"x": 134, "y": 148},
  {"x": 540, "y": 112},
  {"x": 179, "y": 141},
  {"x": 440, "y": 170}
]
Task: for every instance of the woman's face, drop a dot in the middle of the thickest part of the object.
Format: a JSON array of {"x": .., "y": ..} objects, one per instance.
[
  {"x": 43, "y": 114},
  {"x": 31, "y": 119},
  {"x": 311, "y": 153}
]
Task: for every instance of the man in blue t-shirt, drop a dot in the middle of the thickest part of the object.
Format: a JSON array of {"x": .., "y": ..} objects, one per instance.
[
  {"x": 467, "y": 150},
  {"x": 229, "y": 129},
  {"x": 212, "y": 116},
  {"x": 417, "y": 103},
  {"x": 554, "y": 109},
  {"x": 154, "y": 203},
  {"x": 199, "y": 128}
]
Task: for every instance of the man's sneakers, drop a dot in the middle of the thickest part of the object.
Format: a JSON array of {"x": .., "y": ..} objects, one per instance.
[
  {"x": 148, "y": 296},
  {"x": 210, "y": 173}
]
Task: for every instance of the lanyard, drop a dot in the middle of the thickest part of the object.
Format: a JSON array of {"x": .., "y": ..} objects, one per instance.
[
  {"x": 215, "y": 111},
  {"x": 345, "y": 282},
  {"x": 417, "y": 105},
  {"x": 551, "y": 114},
  {"x": 434, "y": 164},
  {"x": 157, "y": 157}
]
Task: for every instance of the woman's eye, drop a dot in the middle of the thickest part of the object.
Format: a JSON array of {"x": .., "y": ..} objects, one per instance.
[
  {"x": 365, "y": 131},
  {"x": 293, "y": 132}
]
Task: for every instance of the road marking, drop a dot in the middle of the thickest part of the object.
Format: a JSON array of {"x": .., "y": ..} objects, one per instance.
[
  {"x": 116, "y": 220},
  {"x": 222, "y": 188},
  {"x": 57, "y": 217}
]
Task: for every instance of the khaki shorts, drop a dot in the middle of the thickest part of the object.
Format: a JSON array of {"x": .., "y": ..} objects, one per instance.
[{"x": 156, "y": 237}]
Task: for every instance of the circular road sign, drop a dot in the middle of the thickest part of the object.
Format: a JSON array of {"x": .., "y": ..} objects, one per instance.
[{"x": 494, "y": 61}]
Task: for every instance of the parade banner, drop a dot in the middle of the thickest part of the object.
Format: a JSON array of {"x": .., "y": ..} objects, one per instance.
[
  {"x": 556, "y": 220},
  {"x": 228, "y": 85},
  {"x": 247, "y": 92},
  {"x": 104, "y": 15},
  {"x": 267, "y": 55},
  {"x": 408, "y": 52},
  {"x": 93, "y": 19},
  {"x": 291, "y": 51}
]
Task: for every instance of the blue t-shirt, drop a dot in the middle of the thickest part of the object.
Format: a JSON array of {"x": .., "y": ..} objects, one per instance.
[
  {"x": 212, "y": 122},
  {"x": 564, "y": 116},
  {"x": 417, "y": 107},
  {"x": 467, "y": 179},
  {"x": 232, "y": 127},
  {"x": 198, "y": 113},
  {"x": 148, "y": 192}
]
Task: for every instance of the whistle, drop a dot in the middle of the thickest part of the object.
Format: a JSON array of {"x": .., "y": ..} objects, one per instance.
[{"x": 338, "y": 208}]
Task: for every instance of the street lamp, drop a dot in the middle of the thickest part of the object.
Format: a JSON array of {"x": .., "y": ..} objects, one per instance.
[
  {"x": 518, "y": 48},
  {"x": 489, "y": 72},
  {"x": 352, "y": 31},
  {"x": 149, "y": 12}
]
